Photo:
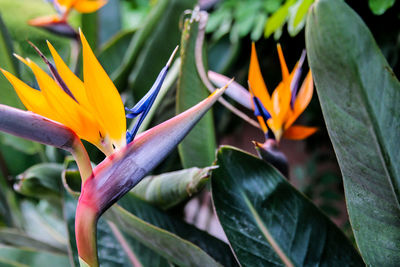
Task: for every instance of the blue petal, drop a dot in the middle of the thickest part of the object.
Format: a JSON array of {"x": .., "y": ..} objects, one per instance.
[
  {"x": 260, "y": 110},
  {"x": 143, "y": 106}
]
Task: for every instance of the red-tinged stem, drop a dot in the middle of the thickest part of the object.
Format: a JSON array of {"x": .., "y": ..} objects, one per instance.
[{"x": 85, "y": 232}]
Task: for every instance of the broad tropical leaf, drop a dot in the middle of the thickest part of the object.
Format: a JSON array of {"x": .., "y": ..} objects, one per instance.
[
  {"x": 360, "y": 96},
  {"x": 268, "y": 222}
]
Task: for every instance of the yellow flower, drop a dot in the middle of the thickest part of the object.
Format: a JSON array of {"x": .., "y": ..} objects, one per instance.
[
  {"x": 93, "y": 109},
  {"x": 278, "y": 112}
]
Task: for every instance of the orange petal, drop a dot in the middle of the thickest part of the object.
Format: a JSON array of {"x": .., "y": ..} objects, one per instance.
[
  {"x": 284, "y": 68},
  {"x": 281, "y": 103},
  {"x": 67, "y": 111},
  {"x": 303, "y": 98},
  {"x": 32, "y": 99},
  {"x": 74, "y": 84},
  {"x": 298, "y": 132},
  {"x": 256, "y": 80},
  {"x": 88, "y": 6},
  {"x": 103, "y": 96}
]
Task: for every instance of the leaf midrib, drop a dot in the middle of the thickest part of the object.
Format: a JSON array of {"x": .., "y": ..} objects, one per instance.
[
  {"x": 264, "y": 230},
  {"x": 378, "y": 139}
]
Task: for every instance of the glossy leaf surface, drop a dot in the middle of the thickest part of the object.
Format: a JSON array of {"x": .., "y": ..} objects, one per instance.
[
  {"x": 360, "y": 95},
  {"x": 268, "y": 222}
]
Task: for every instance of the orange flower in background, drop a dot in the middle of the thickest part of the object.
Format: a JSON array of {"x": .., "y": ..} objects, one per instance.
[
  {"x": 58, "y": 23},
  {"x": 82, "y": 6},
  {"x": 277, "y": 113}
]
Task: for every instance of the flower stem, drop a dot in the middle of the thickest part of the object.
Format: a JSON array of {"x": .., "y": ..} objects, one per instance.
[
  {"x": 85, "y": 232},
  {"x": 81, "y": 157}
]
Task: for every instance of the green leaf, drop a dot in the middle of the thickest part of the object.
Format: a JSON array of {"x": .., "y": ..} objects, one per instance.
[
  {"x": 101, "y": 25},
  {"x": 379, "y": 7},
  {"x": 120, "y": 75},
  {"x": 21, "y": 145},
  {"x": 181, "y": 243},
  {"x": 17, "y": 257},
  {"x": 158, "y": 48},
  {"x": 169, "y": 189},
  {"x": 114, "y": 247},
  {"x": 8, "y": 96},
  {"x": 198, "y": 148},
  {"x": 222, "y": 54},
  {"x": 43, "y": 221},
  {"x": 258, "y": 28},
  {"x": 114, "y": 50},
  {"x": 16, "y": 238},
  {"x": 276, "y": 21},
  {"x": 359, "y": 96},
  {"x": 297, "y": 16},
  {"x": 268, "y": 222},
  {"x": 41, "y": 180}
]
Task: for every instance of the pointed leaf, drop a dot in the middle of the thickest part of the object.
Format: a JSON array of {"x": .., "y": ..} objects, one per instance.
[
  {"x": 198, "y": 148},
  {"x": 268, "y": 222},
  {"x": 276, "y": 21},
  {"x": 359, "y": 96},
  {"x": 297, "y": 16}
]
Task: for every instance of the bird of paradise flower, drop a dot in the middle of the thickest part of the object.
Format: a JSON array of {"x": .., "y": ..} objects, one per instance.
[
  {"x": 66, "y": 109},
  {"x": 277, "y": 113}
]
